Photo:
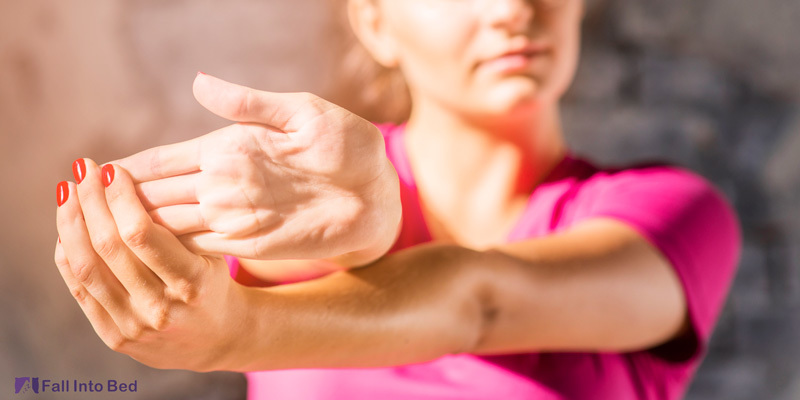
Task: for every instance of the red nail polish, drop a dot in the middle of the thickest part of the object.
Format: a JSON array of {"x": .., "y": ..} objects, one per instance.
[
  {"x": 62, "y": 193},
  {"x": 200, "y": 73},
  {"x": 108, "y": 174},
  {"x": 79, "y": 170},
  {"x": 59, "y": 239}
]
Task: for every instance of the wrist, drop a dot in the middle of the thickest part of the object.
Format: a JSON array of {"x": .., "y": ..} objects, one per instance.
[
  {"x": 369, "y": 255},
  {"x": 380, "y": 223},
  {"x": 241, "y": 329}
]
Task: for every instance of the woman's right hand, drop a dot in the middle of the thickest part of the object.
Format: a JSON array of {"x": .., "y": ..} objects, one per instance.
[{"x": 296, "y": 177}]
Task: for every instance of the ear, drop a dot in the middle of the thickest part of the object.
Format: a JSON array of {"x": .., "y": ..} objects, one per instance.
[{"x": 370, "y": 28}]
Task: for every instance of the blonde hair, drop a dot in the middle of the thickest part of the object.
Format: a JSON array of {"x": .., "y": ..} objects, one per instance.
[{"x": 361, "y": 84}]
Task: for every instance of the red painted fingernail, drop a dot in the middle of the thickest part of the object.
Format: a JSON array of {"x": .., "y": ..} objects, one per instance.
[
  {"x": 79, "y": 170},
  {"x": 62, "y": 193},
  {"x": 200, "y": 73},
  {"x": 59, "y": 239},
  {"x": 108, "y": 174}
]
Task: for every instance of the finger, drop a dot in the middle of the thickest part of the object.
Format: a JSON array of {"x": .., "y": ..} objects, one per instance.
[
  {"x": 161, "y": 251},
  {"x": 164, "y": 161},
  {"x": 137, "y": 279},
  {"x": 284, "y": 111},
  {"x": 101, "y": 321},
  {"x": 85, "y": 265},
  {"x": 180, "y": 219},
  {"x": 209, "y": 242},
  {"x": 168, "y": 191},
  {"x": 268, "y": 247}
]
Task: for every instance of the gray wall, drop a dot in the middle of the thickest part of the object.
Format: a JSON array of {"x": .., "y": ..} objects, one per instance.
[{"x": 710, "y": 84}]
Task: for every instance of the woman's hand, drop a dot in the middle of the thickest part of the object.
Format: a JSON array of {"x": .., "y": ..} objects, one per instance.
[
  {"x": 296, "y": 178},
  {"x": 599, "y": 286},
  {"x": 145, "y": 294}
]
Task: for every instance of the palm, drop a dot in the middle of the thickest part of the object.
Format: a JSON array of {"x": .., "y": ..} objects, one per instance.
[{"x": 290, "y": 180}]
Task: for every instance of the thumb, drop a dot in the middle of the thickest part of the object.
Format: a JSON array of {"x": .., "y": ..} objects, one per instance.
[{"x": 243, "y": 104}]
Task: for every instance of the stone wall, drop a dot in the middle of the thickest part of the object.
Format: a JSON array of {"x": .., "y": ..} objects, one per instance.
[{"x": 710, "y": 84}]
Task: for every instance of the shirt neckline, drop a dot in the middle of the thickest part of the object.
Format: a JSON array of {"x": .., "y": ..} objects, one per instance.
[{"x": 560, "y": 171}]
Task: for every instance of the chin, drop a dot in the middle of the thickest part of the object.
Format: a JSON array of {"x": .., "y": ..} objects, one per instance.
[{"x": 512, "y": 100}]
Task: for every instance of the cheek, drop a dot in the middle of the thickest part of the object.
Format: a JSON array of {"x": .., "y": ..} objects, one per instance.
[
  {"x": 433, "y": 43},
  {"x": 566, "y": 34}
]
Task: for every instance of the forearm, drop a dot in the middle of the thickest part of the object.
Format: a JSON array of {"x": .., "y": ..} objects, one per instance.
[
  {"x": 597, "y": 287},
  {"x": 412, "y": 306}
]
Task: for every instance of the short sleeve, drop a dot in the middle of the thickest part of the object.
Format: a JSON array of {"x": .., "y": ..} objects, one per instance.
[
  {"x": 690, "y": 222},
  {"x": 233, "y": 266}
]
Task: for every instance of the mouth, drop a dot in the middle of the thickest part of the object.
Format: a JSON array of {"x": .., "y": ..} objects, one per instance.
[{"x": 515, "y": 59}]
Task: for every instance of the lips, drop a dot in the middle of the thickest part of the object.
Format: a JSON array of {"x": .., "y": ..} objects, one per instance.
[
  {"x": 516, "y": 58},
  {"x": 526, "y": 51}
]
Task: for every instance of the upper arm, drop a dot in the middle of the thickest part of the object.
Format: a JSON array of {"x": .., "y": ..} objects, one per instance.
[{"x": 599, "y": 286}]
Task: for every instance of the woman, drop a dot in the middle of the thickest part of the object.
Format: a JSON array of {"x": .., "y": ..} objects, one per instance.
[{"x": 517, "y": 271}]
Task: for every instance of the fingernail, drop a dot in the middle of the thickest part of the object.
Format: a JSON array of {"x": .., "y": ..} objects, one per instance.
[
  {"x": 62, "y": 193},
  {"x": 200, "y": 73},
  {"x": 108, "y": 174},
  {"x": 59, "y": 239},
  {"x": 79, "y": 170}
]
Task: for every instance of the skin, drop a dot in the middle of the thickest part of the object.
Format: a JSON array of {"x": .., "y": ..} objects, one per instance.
[
  {"x": 599, "y": 286},
  {"x": 260, "y": 187}
]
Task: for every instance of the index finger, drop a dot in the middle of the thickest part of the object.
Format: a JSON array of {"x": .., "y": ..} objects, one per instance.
[
  {"x": 163, "y": 161},
  {"x": 153, "y": 244}
]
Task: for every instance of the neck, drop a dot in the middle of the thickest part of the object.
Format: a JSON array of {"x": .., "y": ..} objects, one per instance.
[
  {"x": 486, "y": 169},
  {"x": 524, "y": 147}
]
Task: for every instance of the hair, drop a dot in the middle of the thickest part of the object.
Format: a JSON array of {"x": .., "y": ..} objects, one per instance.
[{"x": 361, "y": 84}]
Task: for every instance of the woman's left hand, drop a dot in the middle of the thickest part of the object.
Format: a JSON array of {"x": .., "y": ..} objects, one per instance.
[{"x": 145, "y": 294}]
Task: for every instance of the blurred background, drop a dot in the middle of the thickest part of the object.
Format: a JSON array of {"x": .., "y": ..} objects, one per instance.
[{"x": 713, "y": 85}]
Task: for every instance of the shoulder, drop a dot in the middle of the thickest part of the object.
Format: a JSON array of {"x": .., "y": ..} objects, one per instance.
[
  {"x": 658, "y": 198},
  {"x": 685, "y": 217},
  {"x": 668, "y": 204},
  {"x": 662, "y": 178},
  {"x": 659, "y": 192}
]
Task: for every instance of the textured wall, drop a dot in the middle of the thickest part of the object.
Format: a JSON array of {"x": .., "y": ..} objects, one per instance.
[
  {"x": 713, "y": 85},
  {"x": 710, "y": 84}
]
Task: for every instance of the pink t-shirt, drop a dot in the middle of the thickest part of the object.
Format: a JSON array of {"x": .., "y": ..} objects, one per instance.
[{"x": 679, "y": 212}]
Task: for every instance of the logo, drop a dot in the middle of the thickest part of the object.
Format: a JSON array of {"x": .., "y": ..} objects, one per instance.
[{"x": 26, "y": 383}]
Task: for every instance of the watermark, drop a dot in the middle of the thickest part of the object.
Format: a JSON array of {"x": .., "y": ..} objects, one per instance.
[{"x": 35, "y": 384}]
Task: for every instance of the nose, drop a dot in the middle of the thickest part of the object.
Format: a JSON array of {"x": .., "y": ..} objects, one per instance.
[{"x": 512, "y": 15}]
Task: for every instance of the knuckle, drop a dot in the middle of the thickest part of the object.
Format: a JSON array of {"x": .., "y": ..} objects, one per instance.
[
  {"x": 134, "y": 330},
  {"x": 154, "y": 161},
  {"x": 159, "y": 315},
  {"x": 117, "y": 342},
  {"x": 245, "y": 104},
  {"x": 136, "y": 234},
  {"x": 185, "y": 290},
  {"x": 105, "y": 246},
  {"x": 79, "y": 293},
  {"x": 160, "y": 319},
  {"x": 60, "y": 259},
  {"x": 83, "y": 272}
]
